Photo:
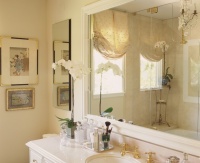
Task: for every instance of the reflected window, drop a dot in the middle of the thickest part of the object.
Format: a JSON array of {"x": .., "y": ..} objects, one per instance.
[
  {"x": 111, "y": 84},
  {"x": 150, "y": 74}
]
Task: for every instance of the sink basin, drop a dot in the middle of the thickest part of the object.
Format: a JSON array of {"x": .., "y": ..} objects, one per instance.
[{"x": 109, "y": 158}]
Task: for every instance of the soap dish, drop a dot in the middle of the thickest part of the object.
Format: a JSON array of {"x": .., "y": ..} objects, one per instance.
[{"x": 89, "y": 146}]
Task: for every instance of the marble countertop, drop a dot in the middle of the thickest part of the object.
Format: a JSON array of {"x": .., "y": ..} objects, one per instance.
[{"x": 71, "y": 153}]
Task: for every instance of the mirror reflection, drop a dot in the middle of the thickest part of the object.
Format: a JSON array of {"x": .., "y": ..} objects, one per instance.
[
  {"x": 61, "y": 34},
  {"x": 158, "y": 56}
]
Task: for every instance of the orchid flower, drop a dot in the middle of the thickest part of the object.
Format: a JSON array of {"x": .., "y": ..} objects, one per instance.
[
  {"x": 161, "y": 44},
  {"x": 103, "y": 67},
  {"x": 76, "y": 70}
]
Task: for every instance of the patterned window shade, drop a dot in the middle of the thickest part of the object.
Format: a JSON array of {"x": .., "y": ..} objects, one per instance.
[{"x": 111, "y": 37}]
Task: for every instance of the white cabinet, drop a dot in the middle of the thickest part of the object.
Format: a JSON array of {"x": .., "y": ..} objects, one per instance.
[
  {"x": 38, "y": 158},
  {"x": 48, "y": 150},
  {"x": 47, "y": 161},
  {"x": 35, "y": 157}
]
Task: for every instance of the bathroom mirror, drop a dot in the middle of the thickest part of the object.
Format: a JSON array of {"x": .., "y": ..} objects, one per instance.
[
  {"x": 145, "y": 102},
  {"x": 184, "y": 114},
  {"x": 61, "y": 35}
]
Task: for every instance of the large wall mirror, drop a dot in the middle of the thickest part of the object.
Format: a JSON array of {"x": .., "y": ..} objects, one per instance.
[
  {"x": 145, "y": 99},
  {"x": 61, "y": 34}
]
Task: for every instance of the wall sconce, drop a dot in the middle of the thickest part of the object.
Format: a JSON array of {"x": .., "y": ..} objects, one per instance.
[{"x": 187, "y": 19}]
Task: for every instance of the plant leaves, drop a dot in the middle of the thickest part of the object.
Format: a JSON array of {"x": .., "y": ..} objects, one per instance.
[
  {"x": 167, "y": 70},
  {"x": 66, "y": 121},
  {"x": 107, "y": 111},
  {"x": 170, "y": 76},
  {"x": 63, "y": 119}
]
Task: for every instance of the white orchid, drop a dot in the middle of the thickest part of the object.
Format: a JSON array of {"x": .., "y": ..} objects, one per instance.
[
  {"x": 161, "y": 44},
  {"x": 76, "y": 70},
  {"x": 103, "y": 67}
]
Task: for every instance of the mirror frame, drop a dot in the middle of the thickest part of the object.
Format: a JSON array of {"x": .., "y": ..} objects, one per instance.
[{"x": 167, "y": 140}]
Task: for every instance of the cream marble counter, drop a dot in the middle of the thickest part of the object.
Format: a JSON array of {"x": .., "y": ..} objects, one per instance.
[{"x": 50, "y": 148}]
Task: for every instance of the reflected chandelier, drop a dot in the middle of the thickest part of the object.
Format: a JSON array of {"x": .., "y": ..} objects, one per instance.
[{"x": 187, "y": 19}]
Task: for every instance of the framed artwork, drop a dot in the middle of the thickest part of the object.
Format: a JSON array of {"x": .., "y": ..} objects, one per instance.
[
  {"x": 19, "y": 99},
  {"x": 18, "y": 61},
  {"x": 63, "y": 96},
  {"x": 61, "y": 51},
  {"x": 191, "y": 71}
]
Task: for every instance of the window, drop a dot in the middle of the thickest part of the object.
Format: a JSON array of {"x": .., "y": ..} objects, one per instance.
[
  {"x": 150, "y": 74},
  {"x": 111, "y": 84}
]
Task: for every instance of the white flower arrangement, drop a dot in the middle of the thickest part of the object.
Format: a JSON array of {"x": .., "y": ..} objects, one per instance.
[
  {"x": 107, "y": 66},
  {"x": 76, "y": 70},
  {"x": 103, "y": 67},
  {"x": 161, "y": 44}
]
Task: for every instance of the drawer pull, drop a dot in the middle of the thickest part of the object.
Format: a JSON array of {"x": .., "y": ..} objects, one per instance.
[{"x": 34, "y": 161}]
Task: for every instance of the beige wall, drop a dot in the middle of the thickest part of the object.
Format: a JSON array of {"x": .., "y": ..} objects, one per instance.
[
  {"x": 24, "y": 18},
  {"x": 30, "y": 18},
  {"x": 34, "y": 19},
  {"x": 58, "y": 11}
]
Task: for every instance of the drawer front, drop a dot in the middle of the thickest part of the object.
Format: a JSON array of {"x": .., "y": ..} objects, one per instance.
[
  {"x": 35, "y": 157},
  {"x": 47, "y": 161}
]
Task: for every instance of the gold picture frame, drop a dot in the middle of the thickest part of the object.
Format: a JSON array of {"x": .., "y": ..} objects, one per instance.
[
  {"x": 61, "y": 51},
  {"x": 63, "y": 96},
  {"x": 19, "y": 61},
  {"x": 20, "y": 99}
]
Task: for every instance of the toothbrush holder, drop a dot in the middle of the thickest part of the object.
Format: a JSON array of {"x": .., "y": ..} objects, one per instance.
[{"x": 105, "y": 141}]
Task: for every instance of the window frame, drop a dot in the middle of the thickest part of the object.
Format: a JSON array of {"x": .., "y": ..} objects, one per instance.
[{"x": 158, "y": 76}]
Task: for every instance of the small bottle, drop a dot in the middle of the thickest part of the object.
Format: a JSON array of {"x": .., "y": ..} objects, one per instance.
[
  {"x": 85, "y": 126},
  {"x": 77, "y": 133},
  {"x": 89, "y": 130},
  {"x": 101, "y": 131},
  {"x": 185, "y": 159},
  {"x": 81, "y": 135},
  {"x": 96, "y": 140}
]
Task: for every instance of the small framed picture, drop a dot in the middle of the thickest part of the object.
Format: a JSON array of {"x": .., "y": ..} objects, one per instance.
[
  {"x": 61, "y": 51},
  {"x": 18, "y": 61},
  {"x": 18, "y": 99},
  {"x": 63, "y": 96}
]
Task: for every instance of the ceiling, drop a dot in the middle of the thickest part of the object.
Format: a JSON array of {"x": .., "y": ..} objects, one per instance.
[{"x": 166, "y": 9}]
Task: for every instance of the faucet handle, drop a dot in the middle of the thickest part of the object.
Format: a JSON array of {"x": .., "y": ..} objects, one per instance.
[
  {"x": 136, "y": 153},
  {"x": 150, "y": 158},
  {"x": 124, "y": 146},
  {"x": 123, "y": 150}
]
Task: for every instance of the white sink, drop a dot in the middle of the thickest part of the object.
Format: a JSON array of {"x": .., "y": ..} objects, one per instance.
[{"x": 109, "y": 158}]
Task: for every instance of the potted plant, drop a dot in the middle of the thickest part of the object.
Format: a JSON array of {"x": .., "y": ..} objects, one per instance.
[
  {"x": 69, "y": 125},
  {"x": 167, "y": 78},
  {"x": 77, "y": 71}
]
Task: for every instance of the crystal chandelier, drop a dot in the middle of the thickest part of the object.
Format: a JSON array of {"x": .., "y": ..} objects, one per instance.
[{"x": 187, "y": 19}]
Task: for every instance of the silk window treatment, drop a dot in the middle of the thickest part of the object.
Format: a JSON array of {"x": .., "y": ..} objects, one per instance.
[{"x": 111, "y": 35}]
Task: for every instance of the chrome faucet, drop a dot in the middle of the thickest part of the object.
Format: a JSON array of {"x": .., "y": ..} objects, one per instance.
[{"x": 135, "y": 152}]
